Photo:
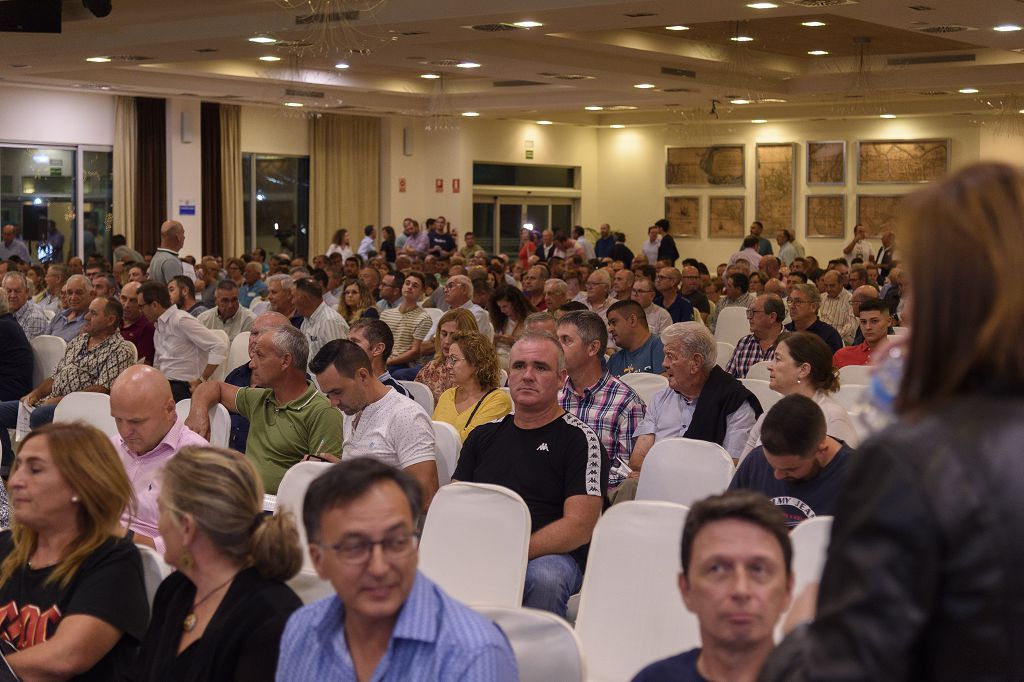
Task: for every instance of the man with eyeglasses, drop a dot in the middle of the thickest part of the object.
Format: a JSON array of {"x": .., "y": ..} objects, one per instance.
[
  {"x": 804, "y": 300},
  {"x": 387, "y": 620},
  {"x": 766, "y": 315},
  {"x": 667, "y": 284},
  {"x": 643, "y": 293},
  {"x": 691, "y": 288},
  {"x": 71, "y": 320},
  {"x": 390, "y": 292},
  {"x": 458, "y": 293}
]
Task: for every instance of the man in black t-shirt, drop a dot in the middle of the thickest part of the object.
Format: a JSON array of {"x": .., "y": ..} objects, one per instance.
[
  {"x": 550, "y": 458},
  {"x": 798, "y": 467}
]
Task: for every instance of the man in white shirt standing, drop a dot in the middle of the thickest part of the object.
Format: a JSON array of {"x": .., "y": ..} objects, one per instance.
[
  {"x": 369, "y": 244},
  {"x": 181, "y": 342},
  {"x": 859, "y": 246},
  {"x": 580, "y": 235},
  {"x": 320, "y": 323},
  {"x": 650, "y": 247},
  {"x": 379, "y": 422}
]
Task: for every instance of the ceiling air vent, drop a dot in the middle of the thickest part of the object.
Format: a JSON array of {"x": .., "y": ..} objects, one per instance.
[
  {"x": 515, "y": 84},
  {"x": 312, "y": 94},
  {"x": 921, "y": 8},
  {"x": 567, "y": 76},
  {"x": 494, "y": 28},
  {"x": 638, "y": 15},
  {"x": 129, "y": 58},
  {"x": 412, "y": 33},
  {"x": 327, "y": 17},
  {"x": 934, "y": 93},
  {"x": 685, "y": 73},
  {"x": 679, "y": 90},
  {"x": 205, "y": 50},
  {"x": 445, "y": 62},
  {"x": 930, "y": 59},
  {"x": 821, "y": 3},
  {"x": 947, "y": 28}
]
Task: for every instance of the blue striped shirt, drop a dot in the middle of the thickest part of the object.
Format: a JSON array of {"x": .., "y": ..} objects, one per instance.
[{"x": 435, "y": 638}]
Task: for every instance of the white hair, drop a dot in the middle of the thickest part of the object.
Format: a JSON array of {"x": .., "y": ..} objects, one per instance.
[{"x": 692, "y": 337}]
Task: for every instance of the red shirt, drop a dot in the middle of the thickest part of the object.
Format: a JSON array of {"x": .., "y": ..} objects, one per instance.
[
  {"x": 852, "y": 355},
  {"x": 141, "y": 335}
]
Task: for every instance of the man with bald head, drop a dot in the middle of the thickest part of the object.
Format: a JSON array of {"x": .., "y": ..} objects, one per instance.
[
  {"x": 599, "y": 299},
  {"x": 136, "y": 327},
  {"x": 69, "y": 322},
  {"x": 149, "y": 434},
  {"x": 165, "y": 264}
]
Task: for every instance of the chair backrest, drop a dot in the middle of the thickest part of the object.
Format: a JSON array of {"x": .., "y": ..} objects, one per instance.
[
  {"x": 133, "y": 349},
  {"x": 154, "y": 570},
  {"x": 725, "y": 351},
  {"x": 475, "y": 543},
  {"x": 290, "y": 494},
  {"x": 421, "y": 394},
  {"x": 855, "y": 374},
  {"x": 238, "y": 353},
  {"x": 222, "y": 369},
  {"x": 91, "y": 408},
  {"x": 684, "y": 471},
  {"x": 502, "y": 377},
  {"x": 546, "y": 648},
  {"x": 900, "y": 331},
  {"x": 631, "y": 613},
  {"x": 435, "y": 316},
  {"x": 810, "y": 547},
  {"x": 759, "y": 371},
  {"x": 220, "y": 421},
  {"x": 259, "y": 305},
  {"x": 47, "y": 351},
  {"x": 849, "y": 395},
  {"x": 447, "y": 445},
  {"x": 645, "y": 385},
  {"x": 732, "y": 324},
  {"x": 763, "y": 392}
]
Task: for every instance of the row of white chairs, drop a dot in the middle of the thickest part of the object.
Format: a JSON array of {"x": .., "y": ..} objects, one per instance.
[{"x": 851, "y": 374}]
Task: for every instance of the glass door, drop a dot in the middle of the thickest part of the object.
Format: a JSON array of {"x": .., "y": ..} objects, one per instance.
[{"x": 514, "y": 214}]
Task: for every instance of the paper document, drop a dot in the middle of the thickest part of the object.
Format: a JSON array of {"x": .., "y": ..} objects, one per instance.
[{"x": 23, "y": 428}]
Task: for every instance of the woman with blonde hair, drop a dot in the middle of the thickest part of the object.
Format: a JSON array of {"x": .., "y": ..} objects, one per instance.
[
  {"x": 475, "y": 398},
  {"x": 221, "y": 615},
  {"x": 70, "y": 580},
  {"x": 437, "y": 374},
  {"x": 356, "y": 299}
]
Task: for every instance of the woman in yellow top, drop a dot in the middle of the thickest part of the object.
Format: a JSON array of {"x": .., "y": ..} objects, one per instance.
[{"x": 475, "y": 398}]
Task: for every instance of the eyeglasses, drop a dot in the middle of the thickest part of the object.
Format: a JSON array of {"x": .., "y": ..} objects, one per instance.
[
  {"x": 359, "y": 550},
  {"x": 751, "y": 312},
  {"x": 452, "y": 359},
  {"x": 641, "y": 291},
  {"x": 796, "y": 301}
]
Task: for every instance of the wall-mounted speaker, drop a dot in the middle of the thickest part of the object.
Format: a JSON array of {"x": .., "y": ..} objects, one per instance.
[
  {"x": 406, "y": 141},
  {"x": 186, "y": 127}
]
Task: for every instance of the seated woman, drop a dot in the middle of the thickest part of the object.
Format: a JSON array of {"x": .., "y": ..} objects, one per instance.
[
  {"x": 356, "y": 302},
  {"x": 803, "y": 365},
  {"x": 475, "y": 398},
  {"x": 509, "y": 309},
  {"x": 437, "y": 374},
  {"x": 70, "y": 580},
  {"x": 221, "y": 615}
]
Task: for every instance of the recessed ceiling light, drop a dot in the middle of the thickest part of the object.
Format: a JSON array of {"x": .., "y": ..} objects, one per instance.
[
  {"x": 468, "y": 65},
  {"x": 470, "y": 113},
  {"x": 739, "y": 101},
  {"x": 98, "y": 60},
  {"x": 594, "y": 108},
  {"x": 1006, "y": 28},
  {"x": 263, "y": 40},
  {"x": 543, "y": 123},
  {"x": 887, "y": 116},
  {"x": 762, "y": 5},
  {"x": 677, "y": 27},
  {"x": 1021, "y": 111},
  {"x": 817, "y": 53},
  {"x": 968, "y": 91},
  {"x": 270, "y": 58},
  {"x": 616, "y": 125},
  {"x": 644, "y": 86},
  {"x": 104, "y": 87},
  {"x": 812, "y": 24},
  {"x": 759, "y": 120},
  {"x": 294, "y": 104},
  {"x": 429, "y": 76},
  {"x": 741, "y": 39},
  {"x": 341, "y": 65},
  {"x": 527, "y": 24}
]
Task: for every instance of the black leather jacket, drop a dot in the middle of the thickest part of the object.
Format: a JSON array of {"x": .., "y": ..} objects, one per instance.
[{"x": 925, "y": 572}]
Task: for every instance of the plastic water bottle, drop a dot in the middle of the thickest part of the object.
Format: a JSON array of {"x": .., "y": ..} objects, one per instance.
[{"x": 877, "y": 409}]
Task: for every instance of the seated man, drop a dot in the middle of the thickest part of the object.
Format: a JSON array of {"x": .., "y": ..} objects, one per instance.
[
  {"x": 29, "y": 315},
  {"x": 875, "y": 324},
  {"x": 280, "y": 290},
  {"x": 379, "y": 422},
  {"x": 288, "y": 418},
  {"x": 17, "y": 357},
  {"x": 387, "y": 619},
  {"x": 149, "y": 434},
  {"x": 797, "y": 466},
  {"x": 737, "y": 579},
  {"x": 550, "y": 458},
  {"x": 804, "y": 300},
  {"x": 766, "y": 315},
  {"x": 136, "y": 327},
  {"x": 375, "y": 337},
  {"x": 643, "y": 293},
  {"x": 228, "y": 316},
  {"x": 67, "y": 323},
  {"x": 320, "y": 323},
  {"x": 641, "y": 351},
  {"x": 91, "y": 362},
  {"x": 836, "y": 308}
]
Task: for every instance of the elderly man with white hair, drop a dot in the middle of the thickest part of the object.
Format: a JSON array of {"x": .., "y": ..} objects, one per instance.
[{"x": 458, "y": 293}]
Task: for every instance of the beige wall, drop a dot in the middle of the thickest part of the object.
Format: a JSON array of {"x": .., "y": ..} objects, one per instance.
[{"x": 266, "y": 130}]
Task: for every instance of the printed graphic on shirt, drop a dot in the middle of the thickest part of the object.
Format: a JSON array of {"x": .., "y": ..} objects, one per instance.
[
  {"x": 593, "y": 453},
  {"x": 27, "y": 626},
  {"x": 543, "y": 447}
]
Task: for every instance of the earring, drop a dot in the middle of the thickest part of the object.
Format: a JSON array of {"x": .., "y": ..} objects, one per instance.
[
  {"x": 74, "y": 499},
  {"x": 187, "y": 561}
]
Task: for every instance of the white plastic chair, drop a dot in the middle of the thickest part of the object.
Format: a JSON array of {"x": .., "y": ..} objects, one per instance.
[
  {"x": 645, "y": 385},
  {"x": 810, "y": 547},
  {"x": 47, "y": 351},
  {"x": 684, "y": 471},
  {"x": 220, "y": 421},
  {"x": 900, "y": 331},
  {"x": 133, "y": 349},
  {"x": 238, "y": 353},
  {"x": 855, "y": 374},
  {"x": 421, "y": 394},
  {"x": 447, "y": 446},
  {"x": 759, "y": 371},
  {"x": 502, "y": 377},
  {"x": 222, "y": 368},
  {"x": 763, "y": 392},
  {"x": 435, "y": 316},
  {"x": 475, "y": 543},
  {"x": 732, "y": 324},
  {"x": 725, "y": 351},
  {"x": 290, "y": 494},
  {"x": 154, "y": 570},
  {"x": 546, "y": 648},
  {"x": 91, "y": 408},
  {"x": 631, "y": 613},
  {"x": 849, "y": 395}
]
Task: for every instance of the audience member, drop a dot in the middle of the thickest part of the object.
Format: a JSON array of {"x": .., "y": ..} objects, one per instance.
[
  {"x": 737, "y": 294},
  {"x": 556, "y": 294},
  {"x": 550, "y": 458},
  {"x": 508, "y": 309},
  {"x": 862, "y": 295},
  {"x": 25, "y": 311},
  {"x": 320, "y": 323},
  {"x": 835, "y": 309},
  {"x": 668, "y": 297},
  {"x": 69, "y": 321},
  {"x": 437, "y": 374},
  {"x": 253, "y": 286},
  {"x": 789, "y": 249},
  {"x": 182, "y": 291},
  {"x": 458, "y": 293},
  {"x": 475, "y": 398},
  {"x": 690, "y": 289},
  {"x": 16, "y": 361},
  {"x": 643, "y": 293},
  {"x": 356, "y": 301},
  {"x": 410, "y": 325},
  {"x": 11, "y": 246},
  {"x": 804, "y": 300},
  {"x": 136, "y": 327},
  {"x": 622, "y": 284},
  {"x": 858, "y": 248},
  {"x": 49, "y": 298},
  {"x": 598, "y": 297},
  {"x": 543, "y": 322},
  {"x": 535, "y": 287},
  {"x": 165, "y": 264},
  {"x": 766, "y": 315},
  {"x": 641, "y": 351},
  {"x": 229, "y": 316},
  {"x": 749, "y": 252},
  {"x": 875, "y": 324},
  {"x": 650, "y": 247},
  {"x": 280, "y": 293},
  {"x": 376, "y": 339},
  {"x": 667, "y": 251}
]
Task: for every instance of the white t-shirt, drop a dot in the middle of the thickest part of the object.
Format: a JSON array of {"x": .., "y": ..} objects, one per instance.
[{"x": 395, "y": 430}]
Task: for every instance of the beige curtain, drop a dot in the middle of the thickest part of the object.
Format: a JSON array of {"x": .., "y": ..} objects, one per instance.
[
  {"x": 344, "y": 177},
  {"x": 231, "y": 179},
  {"x": 125, "y": 145}
]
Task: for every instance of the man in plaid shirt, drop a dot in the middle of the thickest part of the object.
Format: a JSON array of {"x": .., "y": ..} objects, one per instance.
[
  {"x": 766, "y": 315},
  {"x": 592, "y": 394}
]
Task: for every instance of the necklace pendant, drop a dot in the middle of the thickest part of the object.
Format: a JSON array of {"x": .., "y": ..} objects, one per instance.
[{"x": 189, "y": 624}]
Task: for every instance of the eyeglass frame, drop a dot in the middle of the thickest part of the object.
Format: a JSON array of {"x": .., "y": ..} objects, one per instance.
[{"x": 366, "y": 545}]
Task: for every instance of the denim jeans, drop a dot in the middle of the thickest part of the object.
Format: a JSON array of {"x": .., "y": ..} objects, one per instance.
[
  {"x": 406, "y": 372},
  {"x": 550, "y": 581},
  {"x": 9, "y": 420}
]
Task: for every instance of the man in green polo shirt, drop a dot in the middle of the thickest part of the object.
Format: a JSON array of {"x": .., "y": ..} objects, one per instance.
[{"x": 288, "y": 417}]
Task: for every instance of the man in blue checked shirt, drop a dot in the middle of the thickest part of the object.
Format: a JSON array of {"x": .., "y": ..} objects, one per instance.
[{"x": 387, "y": 621}]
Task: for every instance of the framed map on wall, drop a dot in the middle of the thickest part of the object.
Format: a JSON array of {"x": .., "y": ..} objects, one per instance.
[
  {"x": 826, "y": 163},
  {"x": 826, "y": 216},
  {"x": 775, "y": 188},
  {"x": 879, "y": 213},
  {"x": 683, "y": 215},
  {"x": 726, "y": 217},
  {"x": 902, "y": 161},
  {"x": 718, "y": 166}
]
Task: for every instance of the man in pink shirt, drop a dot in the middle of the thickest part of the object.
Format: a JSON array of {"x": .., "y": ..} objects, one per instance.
[{"x": 149, "y": 434}]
